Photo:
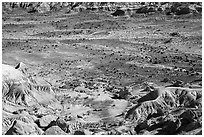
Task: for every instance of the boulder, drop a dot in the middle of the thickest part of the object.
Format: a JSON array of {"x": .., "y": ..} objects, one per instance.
[
  {"x": 118, "y": 13},
  {"x": 192, "y": 126},
  {"x": 188, "y": 116},
  {"x": 195, "y": 8},
  {"x": 31, "y": 7},
  {"x": 43, "y": 8},
  {"x": 172, "y": 127},
  {"x": 54, "y": 130},
  {"x": 63, "y": 125},
  {"x": 46, "y": 120},
  {"x": 182, "y": 11},
  {"x": 146, "y": 9},
  {"x": 143, "y": 9},
  {"x": 198, "y": 8}
]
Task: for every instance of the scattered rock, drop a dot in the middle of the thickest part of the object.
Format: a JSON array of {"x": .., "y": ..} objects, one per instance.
[
  {"x": 177, "y": 8},
  {"x": 165, "y": 80},
  {"x": 168, "y": 41},
  {"x": 174, "y": 34},
  {"x": 81, "y": 95},
  {"x": 178, "y": 83}
]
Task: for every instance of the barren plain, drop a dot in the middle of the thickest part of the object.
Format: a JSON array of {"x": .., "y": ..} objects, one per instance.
[{"x": 93, "y": 73}]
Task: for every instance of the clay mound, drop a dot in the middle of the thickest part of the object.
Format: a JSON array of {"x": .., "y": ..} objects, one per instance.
[
  {"x": 19, "y": 89},
  {"x": 150, "y": 96},
  {"x": 9, "y": 118},
  {"x": 161, "y": 100},
  {"x": 22, "y": 128},
  {"x": 22, "y": 67},
  {"x": 15, "y": 86},
  {"x": 155, "y": 102},
  {"x": 186, "y": 97}
]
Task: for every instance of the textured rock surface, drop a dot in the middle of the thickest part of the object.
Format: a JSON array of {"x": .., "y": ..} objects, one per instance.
[
  {"x": 102, "y": 68},
  {"x": 161, "y": 100},
  {"x": 46, "y": 120},
  {"x": 22, "y": 128},
  {"x": 16, "y": 87},
  {"x": 19, "y": 89},
  {"x": 54, "y": 130},
  {"x": 177, "y": 8}
]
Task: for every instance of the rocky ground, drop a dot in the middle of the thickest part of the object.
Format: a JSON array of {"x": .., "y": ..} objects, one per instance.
[{"x": 102, "y": 71}]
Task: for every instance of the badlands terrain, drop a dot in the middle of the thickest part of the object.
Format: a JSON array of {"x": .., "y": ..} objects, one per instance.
[{"x": 101, "y": 69}]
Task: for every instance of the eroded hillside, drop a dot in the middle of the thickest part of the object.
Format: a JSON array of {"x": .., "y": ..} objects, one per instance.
[{"x": 77, "y": 68}]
